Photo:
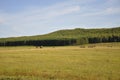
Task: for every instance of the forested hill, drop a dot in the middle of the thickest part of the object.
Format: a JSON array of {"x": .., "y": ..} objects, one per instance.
[{"x": 66, "y": 37}]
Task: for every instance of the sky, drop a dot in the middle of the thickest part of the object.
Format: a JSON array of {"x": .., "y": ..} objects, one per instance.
[{"x": 37, "y": 17}]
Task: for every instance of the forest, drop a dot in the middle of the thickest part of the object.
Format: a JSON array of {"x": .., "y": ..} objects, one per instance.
[{"x": 66, "y": 37}]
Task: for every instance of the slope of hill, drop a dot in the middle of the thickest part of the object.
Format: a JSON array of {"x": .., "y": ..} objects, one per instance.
[{"x": 68, "y": 37}]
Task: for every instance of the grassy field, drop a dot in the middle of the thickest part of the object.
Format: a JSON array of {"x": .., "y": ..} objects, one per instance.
[{"x": 61, "y": 63}]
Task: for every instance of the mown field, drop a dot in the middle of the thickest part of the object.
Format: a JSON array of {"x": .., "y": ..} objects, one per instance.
[{"x": 61, "y": 63}]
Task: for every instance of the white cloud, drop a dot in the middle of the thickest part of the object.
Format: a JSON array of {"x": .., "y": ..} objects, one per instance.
[
  {"x": 34, "y": 17},
  {"x": 107, "y": 11},
  {"x": 112, "y": 10},
  {"x": 40, "y": 14},
  {"x": 1, "y": 21},
  {"x": 113, "y": 1}
]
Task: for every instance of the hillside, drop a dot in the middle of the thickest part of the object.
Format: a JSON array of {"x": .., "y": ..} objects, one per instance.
[{"x": 75, "y": 36}]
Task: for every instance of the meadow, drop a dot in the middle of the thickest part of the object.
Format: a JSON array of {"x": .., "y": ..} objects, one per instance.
[{"x": 60, "y": 63}]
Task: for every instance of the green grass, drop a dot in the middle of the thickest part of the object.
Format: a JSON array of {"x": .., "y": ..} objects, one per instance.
[{"x": 60, "y": 63}]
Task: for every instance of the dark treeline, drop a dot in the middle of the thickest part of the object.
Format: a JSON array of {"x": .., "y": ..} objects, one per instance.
[
  {"x": 103, "y": 39},
  {"x": 66, "y": 37},
  {"x": 39, "y": 43},
  {"x": 79, "y": 41}
]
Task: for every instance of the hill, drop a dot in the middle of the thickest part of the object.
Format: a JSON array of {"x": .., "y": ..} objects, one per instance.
[{"x": 66, "y": 37}]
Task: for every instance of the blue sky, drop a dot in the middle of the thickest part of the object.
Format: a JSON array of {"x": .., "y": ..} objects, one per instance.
[{"x": 34, "y": 17}]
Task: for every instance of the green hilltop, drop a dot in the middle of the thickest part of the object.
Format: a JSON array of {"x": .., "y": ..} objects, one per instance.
[{"x": 78, "y": 35}]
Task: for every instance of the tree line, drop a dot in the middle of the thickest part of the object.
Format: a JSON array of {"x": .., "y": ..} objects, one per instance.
[
  {"x": 39, "y": 43},
  {"x": 103, "y": 39},
  {"x": 66, "y": 37},
  {"x": 63, "y": 42}
]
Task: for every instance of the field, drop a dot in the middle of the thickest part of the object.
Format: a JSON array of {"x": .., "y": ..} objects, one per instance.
[{"x": 61, "y": 63}]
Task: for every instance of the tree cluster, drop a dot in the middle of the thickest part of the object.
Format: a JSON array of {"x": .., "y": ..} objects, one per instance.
[
  {"x": 39, "y": 43},
  {"x": 66, "y": 37}
]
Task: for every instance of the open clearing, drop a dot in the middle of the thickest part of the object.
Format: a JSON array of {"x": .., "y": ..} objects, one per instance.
[{"x": 60, "y": 63}]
